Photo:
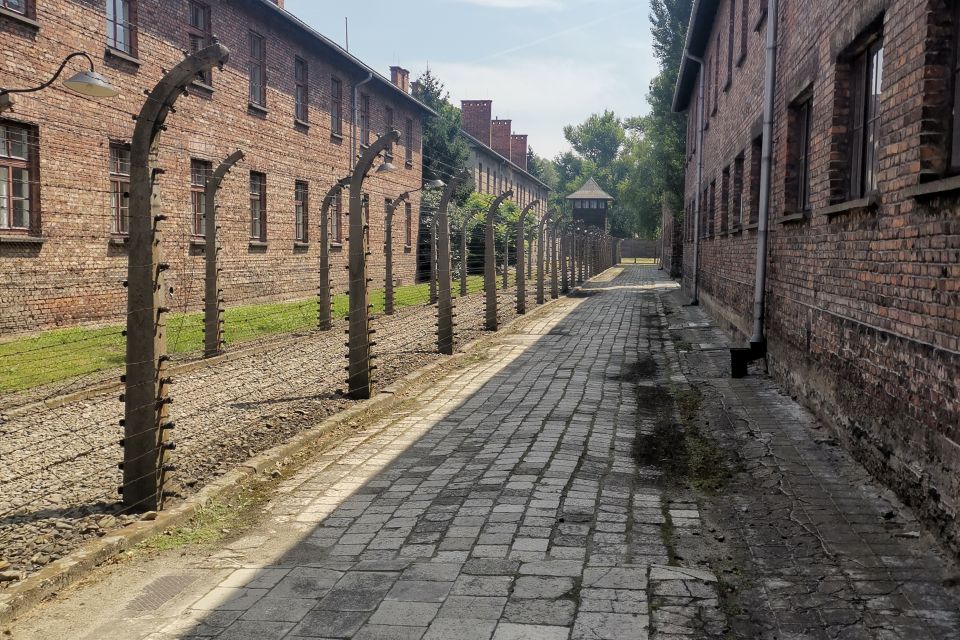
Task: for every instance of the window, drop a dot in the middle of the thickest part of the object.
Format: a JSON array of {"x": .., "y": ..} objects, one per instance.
[
  {"x": 17, "y": 6},
  {"x": 258, "y": 70},
  {"x": 301, "y": 208},
  {"x": 388, "y": 121},
  {"x": 866, "y": 81},
  {"x": 200, "y": 170},
  {"x": 336, "y": 218},
  {"x": 712, "y": 210},
  {"x": 120, "y": 188},
  {"x": 336, "y": 106},
  {"x": 730, "y": 32},
  {"x": 744, "y": 28},
  {"x": 200, "y": 33},
  {"x": 488, "y": 179},
  {"x": 954, "y": 144},
  {"x": 736, "y": 206},
  {"x": 407, "y": 224},
  {"x": 408, "y": 135},
  {"x": 302, "y": 78},
  {"x": 756, "y": 152},
  {"x": 724, "y": 199},
  {"x": 122, "y": 26},
  {"x": 716, "y": 76},
  {"x": 17, "y": 178},
  {"x": 364, "y": 119},
  {"x": 798, "y": 165},
  {"x": 258, "y": 206}
]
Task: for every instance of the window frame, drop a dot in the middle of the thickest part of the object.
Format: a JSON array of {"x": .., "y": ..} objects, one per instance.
[
  {"x": 408, "y": 225},
  {"x": 730, "y": 33},
  {"x": 388, "y": 116},
  {"x": 737, "y": 191},
  {"x": 408, "y": 134},
  {"x": 257, "y": 94},
  {"x": 301, "y": 211},
  {"x": 119, "y": 190},
  {"x": 799, "y": 121},
  {"x": 336, "y": 218},
  {"x": 258, "y": 207},
  {"x": 26, "y": 12},
  {"x": 204, "y": 35},
  {"x": 10, "y": 163},
  {"x": 128, "y": 47},
  {"x": 198, "y": 192},
  {"x": 364, "y": 119},
  {"x": 336, "y": 106},
  {"x": 301, "y": 96},
  {"x": 866, "y": 68}
]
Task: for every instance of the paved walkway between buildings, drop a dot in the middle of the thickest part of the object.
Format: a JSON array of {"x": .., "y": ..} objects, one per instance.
[{"x": 537, "y": 494}]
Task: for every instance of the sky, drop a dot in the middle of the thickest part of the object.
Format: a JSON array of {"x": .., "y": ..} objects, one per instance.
[{"x": 544, "y": 63}]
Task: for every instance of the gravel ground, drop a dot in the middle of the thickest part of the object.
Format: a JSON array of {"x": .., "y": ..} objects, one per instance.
[{"x": 58, "y": 467}]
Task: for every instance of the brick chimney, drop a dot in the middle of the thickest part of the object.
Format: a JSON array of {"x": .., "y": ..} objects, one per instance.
[
  {"x": 500, "y": 137},
  {"x": 400, "y": 77},
  {"x": 475, "y": 115},
  {"x": 518, "y": 150},
  {"x": 279, "y": 3}
]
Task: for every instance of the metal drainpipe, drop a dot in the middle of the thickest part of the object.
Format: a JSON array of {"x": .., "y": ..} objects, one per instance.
[
  {"x": 758, "y": 342},
  {"x": 356, "y": 116},
  {"x": 697, "y": 203}
]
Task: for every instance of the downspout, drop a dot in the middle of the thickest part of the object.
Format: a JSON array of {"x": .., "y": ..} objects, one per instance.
[
  {"x": 758, "y": 342},
  {"x": 356, "y": 116},
  {"x": 697, "y": 204}
]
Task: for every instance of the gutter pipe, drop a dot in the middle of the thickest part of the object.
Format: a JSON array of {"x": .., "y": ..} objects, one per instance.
[{"x": 697, "y": 204}]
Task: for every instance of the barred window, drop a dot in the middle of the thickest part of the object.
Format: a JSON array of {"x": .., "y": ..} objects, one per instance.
[
  {"x": 120, "y": 188},
  {"x": 17, "y": 178},
  {"x": 336, "y": 106},
  {"x": 301, "y": 76},
  {"x": 301, "y": 207},
  {"x": 408, "y": 136},
  {"x": 866, "y": 84},
  {"x": 407, "y": 224},
  {"x": 200, "y": 34},
  {"x": 258, "y": 206},
  {"x": 200, "y": 170},
  {"x": 336, "y": 218},
  {"x": 258, "y": 70},
  {"x": 122, "y": 26}
]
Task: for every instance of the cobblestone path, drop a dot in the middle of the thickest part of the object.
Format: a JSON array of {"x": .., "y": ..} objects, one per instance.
[{"x": 511, "y": 500}]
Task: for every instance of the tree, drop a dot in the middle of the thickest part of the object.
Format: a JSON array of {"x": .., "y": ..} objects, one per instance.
[
  {"x": 445, "y": 151},
  {"x": 598, "y": 138}
]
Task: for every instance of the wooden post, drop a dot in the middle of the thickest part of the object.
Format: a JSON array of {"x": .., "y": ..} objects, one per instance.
[
  {"x": 213, "y": 296},
  {"x": 490, "y": 262},
  {"x": 146, "y": 394}
]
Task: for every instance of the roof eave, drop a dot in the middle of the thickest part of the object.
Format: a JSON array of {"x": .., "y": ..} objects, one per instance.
[
  {"x": 490, "y": 150},
  {"x": 702, "y": 15},
  {"x": 341, "y": 52}
]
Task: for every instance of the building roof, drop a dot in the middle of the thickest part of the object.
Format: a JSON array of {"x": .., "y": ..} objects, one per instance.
[
  {"x": 486, "y": 149},
  {"x": 332, "y": 47},
  {"x": 702, "y": 15},
  {"x": 590, "y": 191}
]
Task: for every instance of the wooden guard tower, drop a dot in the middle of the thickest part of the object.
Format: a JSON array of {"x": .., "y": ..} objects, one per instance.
[{"x": 590, "y": 204}]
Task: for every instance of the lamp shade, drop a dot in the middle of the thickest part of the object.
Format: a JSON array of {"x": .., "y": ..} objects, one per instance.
[
  {"x": 386, "y": 167},
  {"x": 91, "y": 83},
  {"x": 435, "y": 184}
]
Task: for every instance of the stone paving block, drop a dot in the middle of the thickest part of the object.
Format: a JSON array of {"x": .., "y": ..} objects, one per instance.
[
  {"x": 279, "y": 609},
  {"x": 571, "y": 568},
  {"x": 610, "y": 626},
  {"x": 419, "y": 591},
  {"x": 541, "y": 587},
  {"x": 256, "y": 630},
  {"x": 481, "y": 607},
  {"x": 406, "y": 614},
  {"x": 548, "y": 612},
  {"x": 229, "y": 599},
  {"x": 511, "y": 631},
  {"x": 323, "y": 623},
  {"x": 462, "y": 629},
  {"x": 306, "y": 582},
  {"x": 386, "y": 632},
  {"x": 359, "y": 591}
]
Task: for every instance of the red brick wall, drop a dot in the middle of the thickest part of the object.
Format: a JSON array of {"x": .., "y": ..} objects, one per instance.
[
  {"x": 518, "y": 150},
  {"x": 476, "y": 116},
  {"x": 75, "y": 275},
  {"x": 862, "y": 304}
]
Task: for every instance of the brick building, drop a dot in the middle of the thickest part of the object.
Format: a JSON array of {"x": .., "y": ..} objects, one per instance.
[
  {"x": 285, "y": 98},
  {"x": 862, "y": 290},
  {"x": 498, "y": 157}
]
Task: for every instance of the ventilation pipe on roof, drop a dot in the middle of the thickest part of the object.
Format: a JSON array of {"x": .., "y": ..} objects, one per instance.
[{"x": 697, "y": 204}]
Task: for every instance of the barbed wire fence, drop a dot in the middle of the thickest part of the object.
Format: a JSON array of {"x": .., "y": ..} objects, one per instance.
[{"x": 226, "y": 352}]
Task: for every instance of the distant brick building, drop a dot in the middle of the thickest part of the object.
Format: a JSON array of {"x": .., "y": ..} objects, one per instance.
[
  {"x": 285, "y": 98},
  {"x": 498, "y": 157},
  {"x": 862, "y": 309}
]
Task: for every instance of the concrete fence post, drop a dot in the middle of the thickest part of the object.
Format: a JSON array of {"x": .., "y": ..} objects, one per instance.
[
  {"x": 444, "y": 275},
  {"x": 388, "y": 293},
  {"x": 505, "y": 278},
  {"x": 359, "y": 380},
  {"x": 554, "y": 259},
  {"x": 146, "y": 393},
  {"x": 490, "y": 261},
  {"x": 213, "y": 296},
  {"x": 433, "y": 258},
  {"x": 324, "y": 297},
  {"x": 564, "y": 269},
  {"x": 542, "y": 232},
  {"x": 521, "y": 269}
]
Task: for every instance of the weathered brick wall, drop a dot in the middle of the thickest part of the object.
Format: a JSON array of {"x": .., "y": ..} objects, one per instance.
[
  {"x": 862, "y": 304},
  {"x": 75, "y": 275},
  {"x": 639, "y": 248},
  {"x": 671, "y": 242}
]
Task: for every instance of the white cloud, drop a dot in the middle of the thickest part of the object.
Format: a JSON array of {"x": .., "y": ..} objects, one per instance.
[{"x": 542, "y": 94}]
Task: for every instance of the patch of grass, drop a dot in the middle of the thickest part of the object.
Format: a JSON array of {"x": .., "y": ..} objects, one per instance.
[
  {"x": 61, "y": 354},
  {"x": 683, "y": 345}
]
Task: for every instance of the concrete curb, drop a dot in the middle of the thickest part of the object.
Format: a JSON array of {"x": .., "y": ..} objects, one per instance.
[{"x": 18, "y": 599}]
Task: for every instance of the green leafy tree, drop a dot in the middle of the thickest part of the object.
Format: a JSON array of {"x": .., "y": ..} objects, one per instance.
[{"x": 444, "y": 149}]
